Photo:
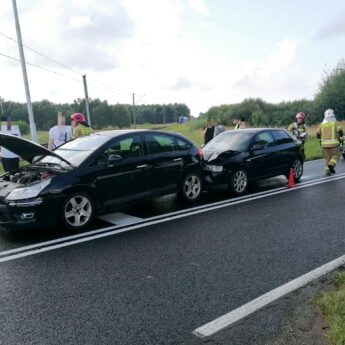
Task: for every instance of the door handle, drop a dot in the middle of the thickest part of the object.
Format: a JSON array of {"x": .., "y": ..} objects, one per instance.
[
  {"x": 142, "y": 166},
  {"x": 177, "y": 159}
]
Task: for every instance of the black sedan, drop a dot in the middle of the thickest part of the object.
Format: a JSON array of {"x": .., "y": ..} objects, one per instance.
[
  {"x": 237, "y": 157},
  {"x": 96, "y": 174}
]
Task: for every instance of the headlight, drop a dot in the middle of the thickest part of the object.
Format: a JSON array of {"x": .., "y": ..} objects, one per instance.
[
  {"x": 27, "y": 192},
  {"x": 213, "y": 168}
]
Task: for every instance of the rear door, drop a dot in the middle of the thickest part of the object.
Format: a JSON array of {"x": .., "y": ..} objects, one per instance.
[
  {"x": 126, "y": 180},
  {"x": 286, "y": 150},
  {"x": 166, "y": 162}
]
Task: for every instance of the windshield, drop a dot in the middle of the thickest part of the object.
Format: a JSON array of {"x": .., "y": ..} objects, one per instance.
[
  {"x": 230, "y": 141},
  {"x": 75, "y": 151}
]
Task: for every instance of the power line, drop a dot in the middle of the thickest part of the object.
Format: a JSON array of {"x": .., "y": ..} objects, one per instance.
[
  {"x": 40, "y": 54},
  {"x": 69, "y": 68},
  {"x": 40, "y": 67},
  {"x": 57, "y": 73}
]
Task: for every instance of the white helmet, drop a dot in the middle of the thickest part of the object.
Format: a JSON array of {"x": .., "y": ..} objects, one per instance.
[{"x": 329, "y": 113}]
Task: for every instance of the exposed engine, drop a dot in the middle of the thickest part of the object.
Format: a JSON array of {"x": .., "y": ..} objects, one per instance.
[{"x": 27, "y": 175}]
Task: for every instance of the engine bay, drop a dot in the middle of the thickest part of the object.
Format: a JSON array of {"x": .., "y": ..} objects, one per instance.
[{"x": 28, "y": 175}]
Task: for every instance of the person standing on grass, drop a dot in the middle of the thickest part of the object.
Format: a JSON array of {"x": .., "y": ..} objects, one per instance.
[
  {"x": 9, "y": 160},
  {"x": 59, "y": 134},
  {"x": 208, "y": 132},
  {"x": 331, "y": 135},
  {"x": 219, "y": 128}
]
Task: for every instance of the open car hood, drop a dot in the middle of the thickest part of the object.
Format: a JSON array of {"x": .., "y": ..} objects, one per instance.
[{"x": 26, "y": 149}]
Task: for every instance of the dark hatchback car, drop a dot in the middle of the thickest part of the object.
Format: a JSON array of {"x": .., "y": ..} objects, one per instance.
[
  {"x": 238, "y": 157},
  {"x": 96, "y": 174}
]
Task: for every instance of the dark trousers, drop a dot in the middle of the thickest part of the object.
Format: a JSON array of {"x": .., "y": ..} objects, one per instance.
[{"x": 10, "y": 164}]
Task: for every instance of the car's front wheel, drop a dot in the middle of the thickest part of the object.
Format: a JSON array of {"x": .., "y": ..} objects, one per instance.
[
  {"x": 238, "y": 182},
  {"x": 191, "y": 187},
  {"x": 77, "y": 211}
]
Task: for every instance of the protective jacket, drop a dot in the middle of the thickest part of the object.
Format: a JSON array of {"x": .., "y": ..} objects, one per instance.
[
  {"x": 330, "y": 134},
  {"x": 298, "y": 130},
  {"x": 81, "y": 130}
]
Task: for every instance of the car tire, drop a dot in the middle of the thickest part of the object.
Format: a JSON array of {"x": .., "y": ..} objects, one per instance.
[
  {"x": 239, "y": 183},
  {"x": 191, "y": 187},
  {"x": 77, "y": 211},
  {"x": 297, "y": 167}
]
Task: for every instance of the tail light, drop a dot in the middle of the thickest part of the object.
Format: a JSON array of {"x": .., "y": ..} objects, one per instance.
[{"x": 200, "y": 153}]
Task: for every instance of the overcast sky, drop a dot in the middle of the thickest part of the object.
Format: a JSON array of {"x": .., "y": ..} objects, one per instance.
[{"x": 198, "y": 52}]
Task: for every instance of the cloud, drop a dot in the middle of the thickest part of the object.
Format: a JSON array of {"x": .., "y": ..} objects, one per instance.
[
  {"x": 200, "y": 6},
  {"x": 334, "y": 28},
  {"x": 82, "y": 34},
  {"x": 180, "y": 84}
]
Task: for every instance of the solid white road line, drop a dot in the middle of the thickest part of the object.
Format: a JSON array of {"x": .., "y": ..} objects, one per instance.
[
  {"x": 105, "y": 232},
  {"x": 224, "y": 203},
  {"x": 269, "y": 297}
]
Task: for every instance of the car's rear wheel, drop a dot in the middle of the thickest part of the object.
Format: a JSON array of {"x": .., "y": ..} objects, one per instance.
[
  {"x": 77, "y": 211},
  {"x": 239, "y": 182},
  {"x": 297, "y": 168},
  {"x": 191, "y": 187}
]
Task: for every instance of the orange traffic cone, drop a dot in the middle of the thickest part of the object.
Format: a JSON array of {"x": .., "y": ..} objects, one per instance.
[{"x": 291, "y": 182}]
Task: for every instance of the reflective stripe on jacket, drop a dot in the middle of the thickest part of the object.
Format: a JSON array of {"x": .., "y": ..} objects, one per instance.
[
  {"x": 81, "y": 130},
  {"x": 331, "y": 134}
]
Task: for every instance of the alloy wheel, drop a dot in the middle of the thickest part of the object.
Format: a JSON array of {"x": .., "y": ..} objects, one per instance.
[
  {"x": 239, "y": 181},
  {"x": 192, "y": 187},
  {"x": 78, "y": 211},
  {"x": 297, "y": 168}
]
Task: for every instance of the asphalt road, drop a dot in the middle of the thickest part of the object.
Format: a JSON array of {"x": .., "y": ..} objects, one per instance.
[{"x": 156, "y": 284}]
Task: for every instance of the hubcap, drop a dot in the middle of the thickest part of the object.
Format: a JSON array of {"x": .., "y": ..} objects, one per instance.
[
  {"x": 297, "y": 169},
  {"x": 192, "y": 187},
  {"x": 240, "y": 181},
  {"x": 78, "y": 211}
]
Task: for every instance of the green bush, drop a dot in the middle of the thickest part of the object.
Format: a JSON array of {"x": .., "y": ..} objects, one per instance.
[{"x": 23, "y": 127}]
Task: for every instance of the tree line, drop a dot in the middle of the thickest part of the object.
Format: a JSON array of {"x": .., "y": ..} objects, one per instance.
[
  {"x": 103, "y": 114},
  {"x": 257, "y": 112}
]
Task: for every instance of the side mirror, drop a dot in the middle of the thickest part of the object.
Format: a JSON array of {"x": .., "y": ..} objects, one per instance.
[
  {"x": 258, "y": 147},
  {"x": 113, "y": 159}
]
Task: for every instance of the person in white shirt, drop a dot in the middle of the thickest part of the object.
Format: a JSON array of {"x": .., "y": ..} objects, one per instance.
[
  {"x": 59, "y": 134},
  {"x": 9, "y": 160}
]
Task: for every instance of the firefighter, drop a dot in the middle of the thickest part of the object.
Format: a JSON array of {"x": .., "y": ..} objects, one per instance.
[
  {"x": 331, "y": 135},
  {"x": 79, "y": 125},
  {"x": 298, "y": 129}
]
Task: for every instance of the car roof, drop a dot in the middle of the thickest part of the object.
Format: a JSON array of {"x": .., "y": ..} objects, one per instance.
[
  {"x": 253, "y": 130},
  {"x": 117, "y": 132}
]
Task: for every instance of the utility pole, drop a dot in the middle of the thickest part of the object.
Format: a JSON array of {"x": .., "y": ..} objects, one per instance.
[
  {"x": 134, "y": 116},
  {"x": 25, "y": 76},
  {"x": 87, "y": 101},
  {"x": 163, "y": 114}
]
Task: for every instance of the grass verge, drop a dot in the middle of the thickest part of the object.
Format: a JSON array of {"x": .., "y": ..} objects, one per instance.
[{"x": 332, "y": 306}]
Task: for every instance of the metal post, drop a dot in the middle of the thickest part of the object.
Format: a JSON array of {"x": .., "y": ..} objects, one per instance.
[
  {"x": 87, "y": 101},
  {"x": 25, "y": 76},
  {"x": 134, "y": 115}
]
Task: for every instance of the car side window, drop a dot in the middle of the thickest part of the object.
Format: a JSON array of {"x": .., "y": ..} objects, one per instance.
[
  {"x": 129, "y": 147},
  {"x": 281, "y": 137},
  {"x": 183, "y": 145},
  {"x": 160, "y": 143},
  {"x": 263, "y": 138}
]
